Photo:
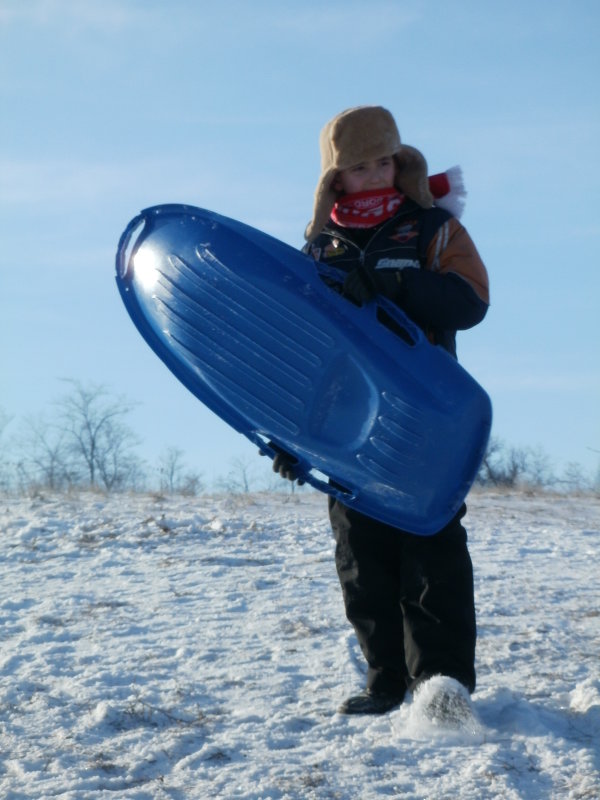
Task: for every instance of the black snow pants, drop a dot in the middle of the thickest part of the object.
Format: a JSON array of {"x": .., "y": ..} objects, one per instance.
[{"x": 410, "y": 599}]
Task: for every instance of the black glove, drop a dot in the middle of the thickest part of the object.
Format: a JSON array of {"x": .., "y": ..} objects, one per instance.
[
  {"x": 284, "y": 463},
  {"x": 362, "y": 285},
  {"x": 358, "y": 286}
]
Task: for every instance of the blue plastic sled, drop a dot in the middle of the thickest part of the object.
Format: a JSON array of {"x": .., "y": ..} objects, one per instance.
[{"x": 375, "y": 414}]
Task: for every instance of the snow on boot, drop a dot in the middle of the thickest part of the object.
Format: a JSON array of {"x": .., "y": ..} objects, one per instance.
[{"x": 444, "y": 702}]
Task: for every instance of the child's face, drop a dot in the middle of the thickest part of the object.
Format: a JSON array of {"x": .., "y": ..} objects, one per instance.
[{"x": 377, "y": 174}]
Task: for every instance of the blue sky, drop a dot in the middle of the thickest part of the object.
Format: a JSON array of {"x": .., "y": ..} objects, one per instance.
[{"x": 109, "y": 107}]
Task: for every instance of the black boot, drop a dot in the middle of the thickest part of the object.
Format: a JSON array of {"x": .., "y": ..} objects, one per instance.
[{"x": 371, "y": 702}]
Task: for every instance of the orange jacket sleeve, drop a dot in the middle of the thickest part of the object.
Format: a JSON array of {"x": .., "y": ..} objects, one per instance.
[{"x": 452, "y": 251}]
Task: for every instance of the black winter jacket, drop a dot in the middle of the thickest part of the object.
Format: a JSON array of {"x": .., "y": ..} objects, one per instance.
[{"x": 443, "y": 284}]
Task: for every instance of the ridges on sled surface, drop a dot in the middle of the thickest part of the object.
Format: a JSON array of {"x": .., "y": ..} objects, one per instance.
[{"x": 257, "y": 331}]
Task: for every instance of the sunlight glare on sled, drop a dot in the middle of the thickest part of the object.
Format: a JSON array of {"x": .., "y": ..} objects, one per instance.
[{"x": 145, "y": 266}]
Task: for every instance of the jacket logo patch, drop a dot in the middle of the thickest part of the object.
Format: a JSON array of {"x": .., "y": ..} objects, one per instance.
[
  {"x": 397, "y": 263},
  {"x": 334, "y": 249},
  {"x": 405, "y": 232}
]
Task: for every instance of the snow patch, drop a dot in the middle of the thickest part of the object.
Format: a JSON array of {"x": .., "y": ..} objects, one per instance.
[
  {"x": 585, "y": 695},
  {"x": 185, "y": 648}
]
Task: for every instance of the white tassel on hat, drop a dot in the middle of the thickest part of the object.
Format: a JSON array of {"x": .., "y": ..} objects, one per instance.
[{"x": 448, "y": 190}]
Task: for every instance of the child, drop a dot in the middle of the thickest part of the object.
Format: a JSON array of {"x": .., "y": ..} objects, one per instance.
[{"x": 409, "y": 598}]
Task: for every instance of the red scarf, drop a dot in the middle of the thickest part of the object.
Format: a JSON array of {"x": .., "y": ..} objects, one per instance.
[{"x": 366, "y": 209}]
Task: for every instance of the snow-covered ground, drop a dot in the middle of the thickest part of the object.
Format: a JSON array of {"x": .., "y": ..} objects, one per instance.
[{"x": 197, "y": 648}]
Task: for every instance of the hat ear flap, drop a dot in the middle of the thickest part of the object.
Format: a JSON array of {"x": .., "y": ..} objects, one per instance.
[
  {"x": 325, "y": 197},
  {"x": 411, "y": 176}
]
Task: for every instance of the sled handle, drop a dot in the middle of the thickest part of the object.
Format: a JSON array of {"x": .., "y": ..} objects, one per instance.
[
  {"x": 386, "y": 312},
  {"x": 304, "y": 471}
]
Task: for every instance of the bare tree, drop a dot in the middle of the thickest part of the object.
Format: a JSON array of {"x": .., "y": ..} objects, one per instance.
[
  {"x": 46, "y": 457},
  {"x": 488, "y": 470},
  {"x": 539, "y": 468},
  {"x": 170, "y": 468},
  {"x": 118, "y": 466},
  {"x": 240, "y": 477},
  {"x": 191, "y": 484},
  {"x": 515, "y": 467},
  {"x": 5, "y": 419},
  {"x": 574, "y": 479},
  {"x": 96, "y": 436},
  {"x": 173, "y": 474},
  {"x": 502, "y": 466},
  {"x": 595, "y": 479}
]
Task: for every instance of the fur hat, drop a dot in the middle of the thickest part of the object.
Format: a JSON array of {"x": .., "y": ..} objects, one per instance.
[{"x": 362, "y": 134}]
